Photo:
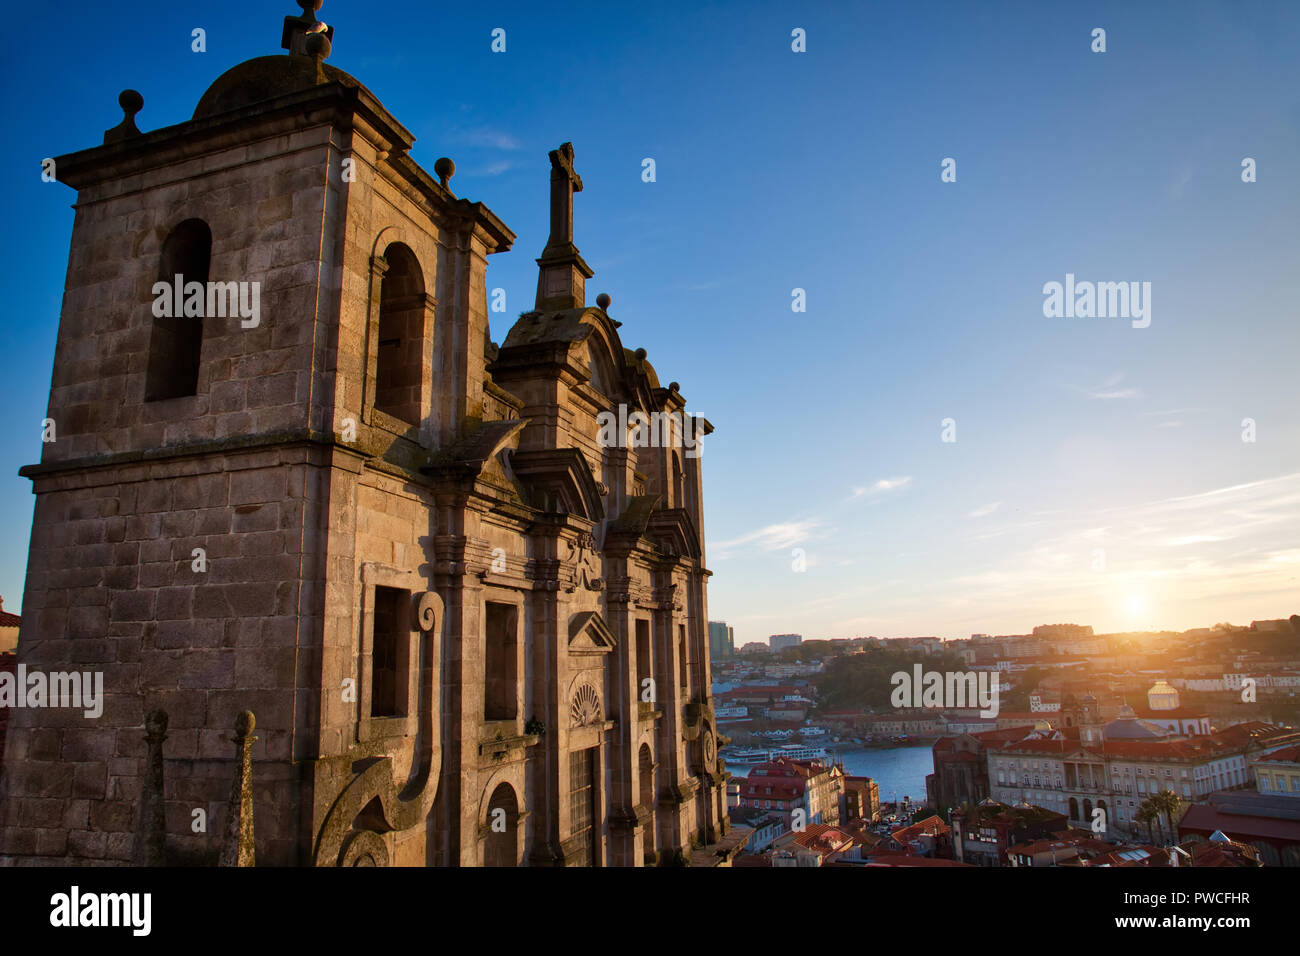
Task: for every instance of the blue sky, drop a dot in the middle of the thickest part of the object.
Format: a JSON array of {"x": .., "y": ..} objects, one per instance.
[{"x": 821, "y": 170}]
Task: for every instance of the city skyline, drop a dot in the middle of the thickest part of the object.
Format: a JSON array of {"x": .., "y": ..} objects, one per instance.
[{"x": 1027, "y": 632}]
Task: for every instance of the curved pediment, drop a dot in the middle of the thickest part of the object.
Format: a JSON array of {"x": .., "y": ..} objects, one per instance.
[
  {"x": 674, "y": 531},
  {"x": 475, "y": 450},
  {"x": 559, "y": 480},
  {"x": 566, "y": 327},
  {"x": 632, "y": 522},
  {"x": 587, "y": 340}
]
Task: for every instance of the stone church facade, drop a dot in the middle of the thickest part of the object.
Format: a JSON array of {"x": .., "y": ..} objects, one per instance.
[{"x": 472, "y": 629}]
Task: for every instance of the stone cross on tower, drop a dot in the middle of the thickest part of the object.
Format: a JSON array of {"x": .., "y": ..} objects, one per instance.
[
  {"x": 562, "y": 281},
  {"x": 565, "y": 181}
]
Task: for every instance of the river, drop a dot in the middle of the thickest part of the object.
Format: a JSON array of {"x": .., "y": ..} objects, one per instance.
[{"x": 900, "y": 770}]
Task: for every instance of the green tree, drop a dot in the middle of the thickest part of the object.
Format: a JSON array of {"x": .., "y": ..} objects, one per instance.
[
  {"x": 1017, "y": 701},
  {"x": 1146, "y": 814},
  {"x": 1168, "y": 803}
]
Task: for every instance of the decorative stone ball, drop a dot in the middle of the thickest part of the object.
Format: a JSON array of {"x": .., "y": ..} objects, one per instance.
[
  {"x": 640, "y": 355},
  {"x": 130, "y": 101},
  {"x": 603, "y": 300},
  {"x": 317, "y": 44},
  {"x": 444, "y": 168},
  {"x": 156, "y": 722},
  {"x": 245, "y": 723}
]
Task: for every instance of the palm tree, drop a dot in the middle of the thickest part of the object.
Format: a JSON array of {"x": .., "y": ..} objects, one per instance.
[
  {"x": 1146, "y": 813},
  {"x": 1168, "y": 802},
  {"x": 1159, "y": 818}
]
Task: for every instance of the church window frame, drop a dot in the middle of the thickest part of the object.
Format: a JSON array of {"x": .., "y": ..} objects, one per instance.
[
  {"x": 406, "y": 648},
  {"x": 398, "y": 386},
  {"x": 502, "y": 652},
  {"x": 174, "y": 362}
]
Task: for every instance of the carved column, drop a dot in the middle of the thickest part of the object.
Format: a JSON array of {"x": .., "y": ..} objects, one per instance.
[{"x": 237, "y": 847}]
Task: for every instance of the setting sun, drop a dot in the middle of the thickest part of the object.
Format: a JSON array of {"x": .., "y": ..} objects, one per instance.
[{"x": 1135, "y": 608}]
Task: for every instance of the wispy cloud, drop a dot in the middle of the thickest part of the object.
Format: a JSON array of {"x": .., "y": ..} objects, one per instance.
[
  {"x": 495, "y": 169},
  {"x": 1219, "y": 545},
  {"x": 483, "y": 137},
  {"x": 985, "y": 510},
  {"x": 772, "y": 537},
  {"x": 881, "y": 487},
  {"x": 1193, "y": 539},
  {"x": 1109, "y": 389}
]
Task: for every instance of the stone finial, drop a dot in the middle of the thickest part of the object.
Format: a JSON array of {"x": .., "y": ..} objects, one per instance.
[
  {"x": 155, "y": 724},
  {"x": 445, "y": 169},
  {"x": 604, "y": 301},
  {"x": 237, "y": 847},
  {"x": 131, "y": 103},
  {"x": 305, "y": 35},
  {"x": 151, "y": 826}
]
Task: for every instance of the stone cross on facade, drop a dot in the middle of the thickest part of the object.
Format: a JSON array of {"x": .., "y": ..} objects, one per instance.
[
  {"x": 562, "y": 281},
  {"x": 565, "y": 181}
]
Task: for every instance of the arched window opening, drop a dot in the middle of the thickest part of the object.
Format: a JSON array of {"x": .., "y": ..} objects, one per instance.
[
  {"x": 401, "y": 336},
  {"x": 644, "y": 663},
  {"x": 503, "y": 828},
  {"x": 679, "y": 499},
  {"x": 646, "y": 772},
  {"x": 177, "y": 340}
]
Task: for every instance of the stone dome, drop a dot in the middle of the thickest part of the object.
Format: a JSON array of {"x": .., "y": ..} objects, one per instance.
[{"x": 264, "y": 78}]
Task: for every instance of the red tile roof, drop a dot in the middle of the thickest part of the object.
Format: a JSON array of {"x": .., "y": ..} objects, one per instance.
[
  {"x": 930, "y": 826},
  {"x": 902, "y": 859},
  {"x": 1285, "y": 755},
  {"x": 1204, "y": 817},
  {"x": 823, "y": 838}
]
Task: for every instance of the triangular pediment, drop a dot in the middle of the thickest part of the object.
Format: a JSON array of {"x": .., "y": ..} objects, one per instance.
[{"x": 589, "y": 634}]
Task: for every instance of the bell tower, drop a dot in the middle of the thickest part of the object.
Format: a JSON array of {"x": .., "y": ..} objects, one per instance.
[{"x": 246, "y": 357}]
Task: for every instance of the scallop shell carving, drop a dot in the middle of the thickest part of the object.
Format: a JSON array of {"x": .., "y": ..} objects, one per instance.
[{"x": 585, "y": 708}]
